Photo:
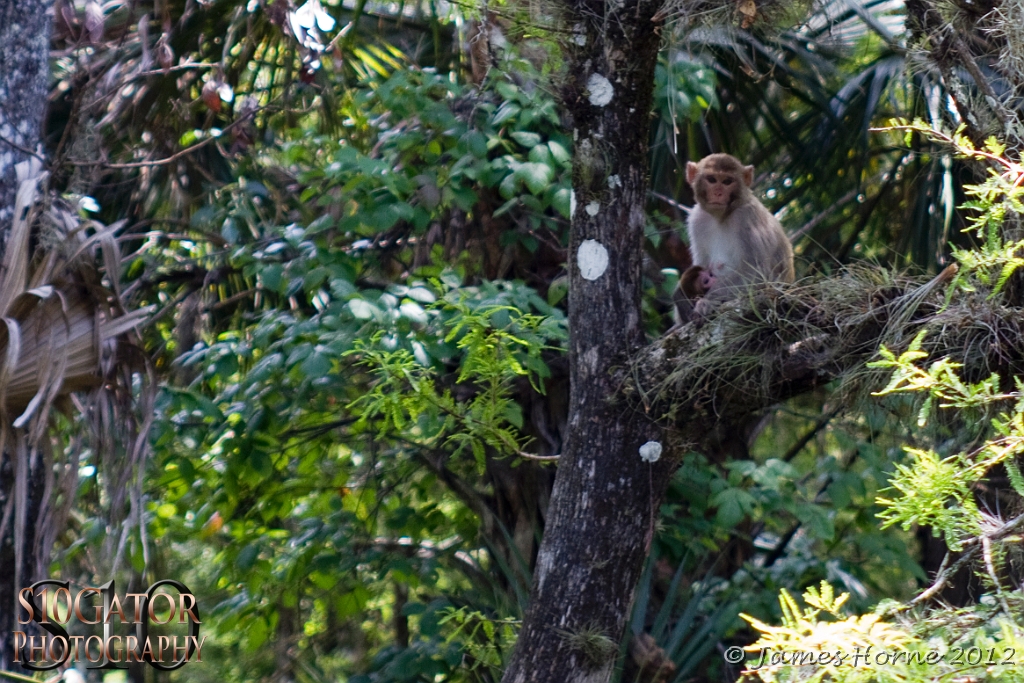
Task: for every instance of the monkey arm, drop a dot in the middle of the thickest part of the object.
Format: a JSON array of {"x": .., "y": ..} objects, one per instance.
[
  {"x": 774, "y": 262},
  {"x": 697, "y": 228},
  {"x": 684, "y": 306}
]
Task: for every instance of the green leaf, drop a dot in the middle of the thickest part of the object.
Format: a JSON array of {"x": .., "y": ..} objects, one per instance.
[
  {"x": 526, "y": 139},
  {"x": 506, "y": 111},
  {"x": 260, "y": 463},
  {"x": 733, "y": 504},
  {"x": 816, "y": 520},
  {"x": 477, "y": 144},
  {"x": 507, "y": 206},
  {"x": 316, "y": 365},
  {"x": 247, "y": 557},
  {"x": 536, "y": 176},
  {"x": 562, "y": 201},
  {"x": 414, "y": 312},
  {"x": 363, "y": 309},
  {"x": 272, "y": 277},
  {"x": 513, "y": 413},
  {"x": 421, "y": 294},
  {"x": 256, "y": 633},
  {"x": 560, "y": 154},
  {"x": 509, "y": 186},
  {"x": 558, "y": 290},
  {"x": 541, "y": 155},
  {"x": 413, "y": 608}
]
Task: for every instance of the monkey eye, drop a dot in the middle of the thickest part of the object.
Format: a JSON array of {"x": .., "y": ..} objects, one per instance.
[
  {"x": 727, "y": 181},
  {"x": 712, "y": 179}
]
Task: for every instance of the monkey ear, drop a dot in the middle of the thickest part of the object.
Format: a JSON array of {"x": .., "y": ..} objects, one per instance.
[
  {"x": 748, "y": 175},
  {"x": 691, "y": 172}
]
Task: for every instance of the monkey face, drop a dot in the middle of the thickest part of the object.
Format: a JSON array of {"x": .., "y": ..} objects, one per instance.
[
  {"x": 707, "y": 278},
  {"x": 718, "y": 189},
  {"x": 719, "y": 182}
]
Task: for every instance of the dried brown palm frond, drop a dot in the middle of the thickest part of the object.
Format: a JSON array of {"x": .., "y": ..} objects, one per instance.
[
  {"x": 59, "y": 330},
  {"x": 55, "y": 328}
]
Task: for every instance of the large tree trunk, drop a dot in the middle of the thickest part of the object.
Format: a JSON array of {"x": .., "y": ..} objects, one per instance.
[
  {"x": 24, "y": 81},
  {"x": 605, "y": 499}
]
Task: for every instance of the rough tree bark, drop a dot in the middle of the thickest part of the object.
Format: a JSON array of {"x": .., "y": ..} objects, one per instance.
[
  {"x": 601, "y": 520},
  {"x": 24, "y": 80}
]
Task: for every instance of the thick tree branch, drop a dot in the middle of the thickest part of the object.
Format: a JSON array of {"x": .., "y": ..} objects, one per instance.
[{"x": 789, "y": 339}]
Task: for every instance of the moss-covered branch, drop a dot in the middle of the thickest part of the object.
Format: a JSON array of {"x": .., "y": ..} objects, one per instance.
[{"x": 789, "y": 339}]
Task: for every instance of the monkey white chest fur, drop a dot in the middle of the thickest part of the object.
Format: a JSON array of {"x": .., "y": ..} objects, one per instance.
[{"x": 747, "y": 246}]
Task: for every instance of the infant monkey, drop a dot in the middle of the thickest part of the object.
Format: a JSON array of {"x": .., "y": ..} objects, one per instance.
[
  {"x": 695, "y": 282},
  {"x": 734, "y": 239}
]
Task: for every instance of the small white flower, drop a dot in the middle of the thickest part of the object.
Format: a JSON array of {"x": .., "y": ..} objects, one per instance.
[{"x": 650, "y": 451}]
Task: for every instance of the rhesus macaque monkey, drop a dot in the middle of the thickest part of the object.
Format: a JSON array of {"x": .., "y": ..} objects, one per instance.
[{"x": 732, "y": 234}]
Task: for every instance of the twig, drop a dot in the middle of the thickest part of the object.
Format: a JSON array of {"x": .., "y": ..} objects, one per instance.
[
  {"x": 811, "y": 433},
  {"x": 941, "y": 577},
  {"x": 542, "y": 458},
  {"x": 29, "y": 679},
  {"x": 990, "y": 567},
  {"x": 177, "y": 155},
  {"x": 671, "y": 202},
  {"x": 234, "y": 298},
  {"x": 1011, "y": 167},
  {"x": 24, "y": 150}
]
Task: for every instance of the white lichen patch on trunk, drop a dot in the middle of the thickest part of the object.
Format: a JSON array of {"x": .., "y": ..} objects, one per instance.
[
  {"x": 650, "y": 451},
  {"x": 593, "y": 208},
  {"x": 592, "y": 258},
  {"x": 614, "y": 181},
  {"x": 600, "y": 90}
]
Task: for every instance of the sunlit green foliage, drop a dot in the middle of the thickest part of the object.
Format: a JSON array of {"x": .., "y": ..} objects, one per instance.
[
  {"x": 936, "y": 491},
  {"x": 821, "y": 642}
]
